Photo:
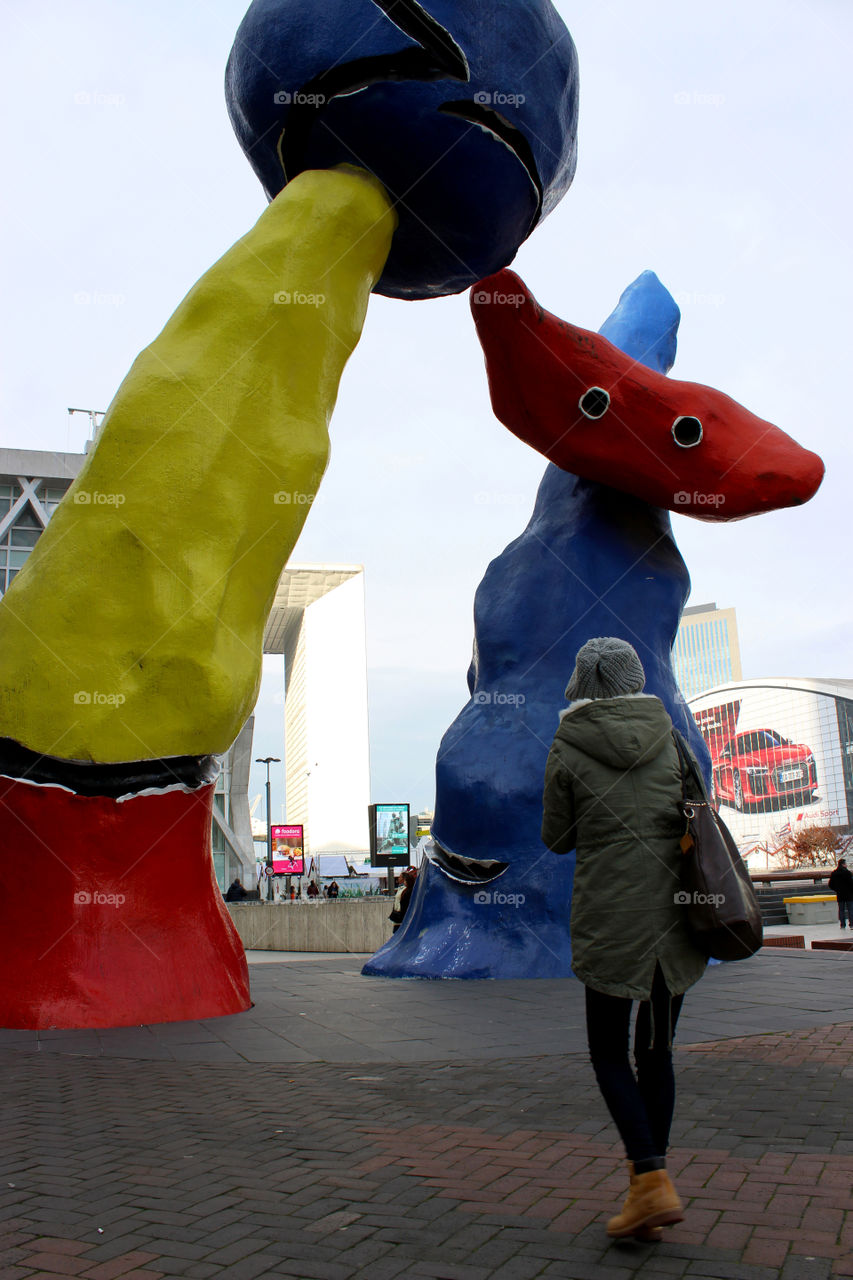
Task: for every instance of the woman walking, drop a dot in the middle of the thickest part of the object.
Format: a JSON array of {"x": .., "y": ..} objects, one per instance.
[{"x": 612, "y": 792}]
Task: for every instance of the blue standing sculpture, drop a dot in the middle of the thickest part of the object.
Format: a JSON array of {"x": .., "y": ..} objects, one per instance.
[{"x": 592, "y": 561}]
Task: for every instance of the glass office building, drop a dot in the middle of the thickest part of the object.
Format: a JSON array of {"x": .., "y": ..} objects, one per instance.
[
  {"x": 32, "y": 485},
  {"x": 706, "y": 652}
]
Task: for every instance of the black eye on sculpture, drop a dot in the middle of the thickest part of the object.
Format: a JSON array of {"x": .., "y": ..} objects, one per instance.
[
  {"x": 594, "y": 403},
  {"x": 687, "y": 432}
]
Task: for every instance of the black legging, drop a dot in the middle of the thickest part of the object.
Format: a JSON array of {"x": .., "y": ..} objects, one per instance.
[{"x": 641, "y": 1105}]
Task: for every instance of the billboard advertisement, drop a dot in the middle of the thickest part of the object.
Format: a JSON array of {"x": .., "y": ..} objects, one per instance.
[
  {"x": 288, "y": 851},
  {"x": 389, "y": 835},
  {"x": 777, "y": 760}
]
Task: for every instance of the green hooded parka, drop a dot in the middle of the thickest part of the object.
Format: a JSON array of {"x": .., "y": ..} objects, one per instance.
[{"x": 612, "y": 792}]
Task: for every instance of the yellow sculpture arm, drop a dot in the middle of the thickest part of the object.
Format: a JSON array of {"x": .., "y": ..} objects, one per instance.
[{"x": 135, "y": 630}]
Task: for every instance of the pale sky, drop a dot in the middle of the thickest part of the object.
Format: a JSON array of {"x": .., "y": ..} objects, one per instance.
[{"x": 713, "y": 149}]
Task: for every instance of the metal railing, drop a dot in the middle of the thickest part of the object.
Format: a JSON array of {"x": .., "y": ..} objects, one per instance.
[{"x": 816, "y": 874}]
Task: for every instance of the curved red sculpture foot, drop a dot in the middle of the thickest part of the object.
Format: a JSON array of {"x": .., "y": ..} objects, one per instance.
[{"x": 109, "y": 910}]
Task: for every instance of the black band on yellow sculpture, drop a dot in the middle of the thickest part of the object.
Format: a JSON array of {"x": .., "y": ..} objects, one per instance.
[{"x": 112, "y": 780}]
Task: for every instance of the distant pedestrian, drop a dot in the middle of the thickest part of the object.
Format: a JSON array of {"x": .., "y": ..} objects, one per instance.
[
  {"x": 334, "y": 889},
  {"x": 236, "y": 892},
  {"x": 841, "y": 884},
  {"x": 612, "y": 792},
  {"x": 403, "y": 897},
  {"x": 312, "y": 890}
]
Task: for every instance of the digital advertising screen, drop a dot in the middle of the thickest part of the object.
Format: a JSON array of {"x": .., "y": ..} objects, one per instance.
[
  {"x": 288, "y": 854},
  {"x": 777, "y": 761},
  {"x": 389, "y": 835}
]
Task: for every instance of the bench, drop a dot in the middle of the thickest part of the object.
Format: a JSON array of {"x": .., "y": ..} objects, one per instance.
[
  {"x": 788, "y": 940},
  {"x": 827, "y": 944}
]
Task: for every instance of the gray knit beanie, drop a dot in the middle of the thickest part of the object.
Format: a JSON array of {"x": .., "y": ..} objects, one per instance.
[{"x": 606, "y": 668}]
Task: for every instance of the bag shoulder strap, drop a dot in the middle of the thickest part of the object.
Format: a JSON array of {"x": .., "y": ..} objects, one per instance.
[{"x": 690, "y": 771}]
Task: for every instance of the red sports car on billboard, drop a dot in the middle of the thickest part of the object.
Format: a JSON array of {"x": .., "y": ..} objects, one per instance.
[{"x": 763, "y": 768}]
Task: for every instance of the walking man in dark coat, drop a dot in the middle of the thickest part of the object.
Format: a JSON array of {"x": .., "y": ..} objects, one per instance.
[{"x": 841, "y": 884}]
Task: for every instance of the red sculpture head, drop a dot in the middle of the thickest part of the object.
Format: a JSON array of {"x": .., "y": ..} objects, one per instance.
[{"x": 593, "y": 411}]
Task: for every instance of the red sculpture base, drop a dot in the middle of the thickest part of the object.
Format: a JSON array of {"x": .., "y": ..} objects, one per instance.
[{"x": 110, "y": 914}]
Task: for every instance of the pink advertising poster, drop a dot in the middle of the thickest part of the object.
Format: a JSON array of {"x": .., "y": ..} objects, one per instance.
[{"x": 288, "y": 855}]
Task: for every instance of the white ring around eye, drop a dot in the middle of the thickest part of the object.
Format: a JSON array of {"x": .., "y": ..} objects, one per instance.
[
  {"x": 694, "y": 430},
  {"x": 597, "y": 403}
]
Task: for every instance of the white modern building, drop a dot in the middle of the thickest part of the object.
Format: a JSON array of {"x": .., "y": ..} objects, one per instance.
[{"x": 317, "y": 622}]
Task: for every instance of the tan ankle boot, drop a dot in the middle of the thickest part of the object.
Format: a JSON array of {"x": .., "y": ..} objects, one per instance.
[
  {"x": 648, "y": 1235},
  {"x": 652, "y": 1202}
]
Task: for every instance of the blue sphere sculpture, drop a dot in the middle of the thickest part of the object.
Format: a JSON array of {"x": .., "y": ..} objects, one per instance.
[{"x": 466, "y": 112}]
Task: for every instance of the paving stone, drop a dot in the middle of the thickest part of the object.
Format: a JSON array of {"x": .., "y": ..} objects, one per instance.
[
  {"x": 806, "y": 1269},
  {"x": 523, "y": 1268},
  {"x": 449, "y": 1271},
  {"x": 384, "y": 1269},
  {"x": 598, "y": 1271},
  {"x": 501, "y": 1166},
  {"x": 58, "y": 1263},
  {"x": 719, "y": 1270}
]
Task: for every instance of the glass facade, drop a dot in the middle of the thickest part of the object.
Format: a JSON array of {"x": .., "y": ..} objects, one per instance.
[
  {"x": 226, "y": 864},
  {"x": 706, "y": 651},
  {"x": 844, "y": 708},
  {"x": 19, "y": 532}
]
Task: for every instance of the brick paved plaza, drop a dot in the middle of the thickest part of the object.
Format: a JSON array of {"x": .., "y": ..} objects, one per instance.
[{"x": 352, "y": 1127}]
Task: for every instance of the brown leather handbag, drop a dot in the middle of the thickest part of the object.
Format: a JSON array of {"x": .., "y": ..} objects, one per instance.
[{"x": 723, "y": 914}]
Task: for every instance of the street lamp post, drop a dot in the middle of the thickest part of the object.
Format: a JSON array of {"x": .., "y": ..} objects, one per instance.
[
  {"x": 317, "y": 877},
  {"x": 268, "y": 760}
]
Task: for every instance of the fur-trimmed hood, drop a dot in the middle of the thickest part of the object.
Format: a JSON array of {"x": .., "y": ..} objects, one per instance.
[{"x": 620, "y": 732}]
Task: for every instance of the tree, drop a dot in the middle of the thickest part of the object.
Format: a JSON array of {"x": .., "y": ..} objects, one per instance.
[{"x": 814, "y": 846}]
